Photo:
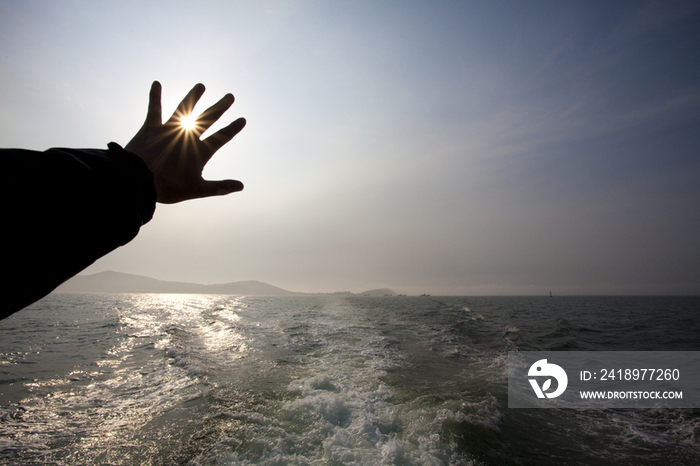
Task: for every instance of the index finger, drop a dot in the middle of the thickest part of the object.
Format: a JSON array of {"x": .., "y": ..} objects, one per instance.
[{"x": 224, "y": 135}]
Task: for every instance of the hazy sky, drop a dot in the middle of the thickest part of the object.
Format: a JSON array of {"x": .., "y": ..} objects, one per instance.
[{"x": 443, "y": 147}]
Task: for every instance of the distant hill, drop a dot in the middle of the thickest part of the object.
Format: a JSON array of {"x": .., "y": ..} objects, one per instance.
[
  {"x": 379, "y": 292},
  {"x": 117, "y": 282}
]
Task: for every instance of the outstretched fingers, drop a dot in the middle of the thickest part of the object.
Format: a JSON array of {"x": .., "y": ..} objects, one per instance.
[
  {"x": 176, "y": 155},
  {"x": 213, "y": 113}
]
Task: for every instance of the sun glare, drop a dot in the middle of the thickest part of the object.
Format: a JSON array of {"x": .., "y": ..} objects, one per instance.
[{"x": 188, "y": 122}]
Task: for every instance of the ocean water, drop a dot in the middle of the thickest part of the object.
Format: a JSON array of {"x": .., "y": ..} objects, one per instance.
[{"x": 164, "y": 379}]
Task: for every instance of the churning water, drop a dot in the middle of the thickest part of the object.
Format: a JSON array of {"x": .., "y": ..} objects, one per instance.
[{"x": 323, "y": 380}]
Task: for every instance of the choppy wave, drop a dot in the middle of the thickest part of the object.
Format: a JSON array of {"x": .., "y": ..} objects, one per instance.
[{"x": 219, "y": 380}]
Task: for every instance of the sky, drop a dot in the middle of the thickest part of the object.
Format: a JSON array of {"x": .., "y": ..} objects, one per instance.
[{"x": 442, "y": 147}]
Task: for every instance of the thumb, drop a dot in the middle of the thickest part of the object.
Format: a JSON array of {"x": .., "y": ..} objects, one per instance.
[{"x": 221, "y": 188}]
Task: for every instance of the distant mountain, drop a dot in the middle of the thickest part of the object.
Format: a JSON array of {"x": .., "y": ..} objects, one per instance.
[
  {"x": 116, "y": 282},
  {"x": 379, "y": 292}
]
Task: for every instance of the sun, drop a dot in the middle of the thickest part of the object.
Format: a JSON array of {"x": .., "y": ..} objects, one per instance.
[{"x": 188, "y": 122}]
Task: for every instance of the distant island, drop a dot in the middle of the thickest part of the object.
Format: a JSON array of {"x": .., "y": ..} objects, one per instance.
[{"x": 117, "y": 282}]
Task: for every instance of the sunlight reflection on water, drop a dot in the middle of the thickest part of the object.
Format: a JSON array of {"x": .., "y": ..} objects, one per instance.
[{"x": 101, "y": 411}]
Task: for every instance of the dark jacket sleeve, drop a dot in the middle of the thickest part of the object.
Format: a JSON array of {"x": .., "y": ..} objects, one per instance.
[{"x": 62, "y": 210}]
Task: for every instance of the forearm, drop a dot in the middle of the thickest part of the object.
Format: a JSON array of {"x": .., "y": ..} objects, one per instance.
[{"x": 64, "y": 209}]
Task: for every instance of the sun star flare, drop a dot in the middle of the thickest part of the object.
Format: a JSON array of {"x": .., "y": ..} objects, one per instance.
[{"x": 188, "y": 122}]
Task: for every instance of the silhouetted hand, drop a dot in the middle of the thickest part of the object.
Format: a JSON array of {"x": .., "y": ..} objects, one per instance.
[{"x": 176, "y": 156}]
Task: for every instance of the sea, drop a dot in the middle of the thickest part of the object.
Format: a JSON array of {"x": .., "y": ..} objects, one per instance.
[{"x": 174, "y": 379}]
